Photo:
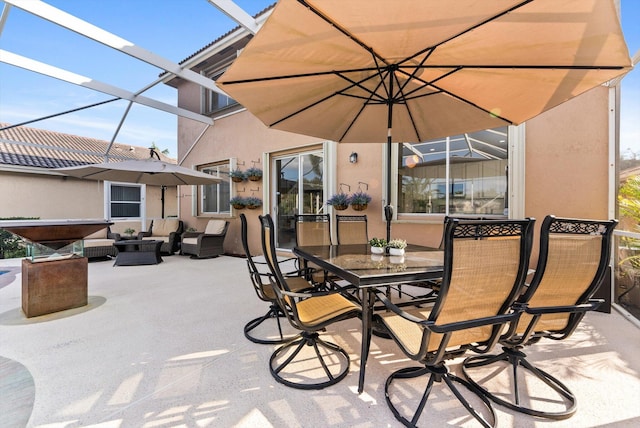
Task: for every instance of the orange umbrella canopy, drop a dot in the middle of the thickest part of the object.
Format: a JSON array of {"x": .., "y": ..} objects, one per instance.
[{"x": 413, "y": 70}]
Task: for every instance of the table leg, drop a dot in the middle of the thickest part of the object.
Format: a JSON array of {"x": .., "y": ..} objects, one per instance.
[{"x": 368, "y": 300}]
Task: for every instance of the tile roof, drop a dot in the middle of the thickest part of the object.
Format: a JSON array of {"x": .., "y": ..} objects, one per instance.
[{"x": 32, "y": 147}]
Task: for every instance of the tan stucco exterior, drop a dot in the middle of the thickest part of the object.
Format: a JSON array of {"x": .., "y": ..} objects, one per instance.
[
  {"x": 566, "y": 166},
  {"x": 47, "y": 196}
]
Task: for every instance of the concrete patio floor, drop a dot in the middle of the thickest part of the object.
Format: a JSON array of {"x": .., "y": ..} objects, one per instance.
[{"x": 163, "y": 346}]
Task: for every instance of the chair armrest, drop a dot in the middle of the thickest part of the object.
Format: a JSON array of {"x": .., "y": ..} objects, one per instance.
[
  {"x": 191, "y": 234},
  {"x": 143, "y": 234},
  {"x": 115, "y": 236}
]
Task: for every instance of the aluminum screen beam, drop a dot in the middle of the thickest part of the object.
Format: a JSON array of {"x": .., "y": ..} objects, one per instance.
[
  {"x": 235, "y": 12},
  {"x": 86, "y": 82},
  {"x": 70, "y": 22}
]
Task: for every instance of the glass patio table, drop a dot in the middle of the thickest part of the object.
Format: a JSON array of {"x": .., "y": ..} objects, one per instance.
[{"x": 357, "y": 265}]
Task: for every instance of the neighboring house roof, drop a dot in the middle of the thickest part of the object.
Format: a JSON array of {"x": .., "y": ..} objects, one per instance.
[
  {"x": 32, "y": 147},
  {"x": 630, "y": 172}
]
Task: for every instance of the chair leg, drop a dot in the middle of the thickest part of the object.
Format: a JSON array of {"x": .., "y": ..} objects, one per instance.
[
  {"x": 274, "y": 313},
  {"x": 514, "y": 359},
  {"x": 437, "y": 374},
  {"x": 323, "y": 351}
]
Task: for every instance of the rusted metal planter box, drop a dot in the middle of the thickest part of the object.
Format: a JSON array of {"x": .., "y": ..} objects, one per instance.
[{"x": 52, "y": 286}]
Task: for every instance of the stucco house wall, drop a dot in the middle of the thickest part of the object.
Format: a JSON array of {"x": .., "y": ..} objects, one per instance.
[{"x": 566, "y": 166}]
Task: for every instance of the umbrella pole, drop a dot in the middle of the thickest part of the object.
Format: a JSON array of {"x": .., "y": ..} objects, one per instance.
[
  {"x": 163, "y": 188},
  {"x": 388, "y": 209}
]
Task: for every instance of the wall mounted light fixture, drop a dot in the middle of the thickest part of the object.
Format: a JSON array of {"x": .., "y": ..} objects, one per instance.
[{"x": 353, "y": 157}]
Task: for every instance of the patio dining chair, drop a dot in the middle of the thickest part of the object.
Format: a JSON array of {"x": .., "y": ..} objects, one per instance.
[
  {"x": 352, "y": 229},
  {"x": 485, "y": 265},
  {"x": 313, "y": 229},
  {"x": 573, "y": 259},
  {"x": 311, "y": 312},
  {"x": 261, "y": 280}
]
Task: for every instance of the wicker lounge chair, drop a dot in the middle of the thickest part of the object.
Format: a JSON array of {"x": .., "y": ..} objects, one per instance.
[
  {"x": 484, "y": 271},
  {"x": 574, "y": 255},
  {"x": 309, "y": 312},
  {"x": 205, "y": 244},
  {"x": 168, "y": 230}
]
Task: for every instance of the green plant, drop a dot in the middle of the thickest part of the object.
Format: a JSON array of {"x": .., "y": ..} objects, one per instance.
[
  {"x": 339, "y": 200},
  {"x": 129, "y": 231},
  {"x": 237, "y": 175},
  {"x": 253, "y": 202},
  {"x": 378, "y": 242},
  {"x": 237, "y": 201},
  {"x": 253, "y": 173},
  {"x": 397, "y": 243},
  {"x": 12, "y": 246},
  {"x": 359, "y": 198}
]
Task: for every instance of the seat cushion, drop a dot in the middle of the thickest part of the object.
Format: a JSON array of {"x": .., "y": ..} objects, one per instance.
[
  {"x": 100, "y": 234},
  {"x": 215, "y": 227},
  {"x": 190, "y": 241},
  {"x": 88, "y": 243},
  {"x": 164, "y": 226}
]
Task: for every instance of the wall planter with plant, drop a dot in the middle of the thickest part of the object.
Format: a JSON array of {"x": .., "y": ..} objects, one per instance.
[
  {"x": 339, "y": 201},
  {"x": 252, "y": 202},
  {"x": 237, "y": 176},
  {"x": 253, "y": 174},
  {"x": 377, "y": 245},
  {"x": 396, "y": 247},
  {"x": 359, "y": 200},
  {"x": 238, "y": 202}
]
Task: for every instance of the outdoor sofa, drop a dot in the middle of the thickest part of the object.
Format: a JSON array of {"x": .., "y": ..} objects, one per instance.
[{"x": 168, "y": 230}]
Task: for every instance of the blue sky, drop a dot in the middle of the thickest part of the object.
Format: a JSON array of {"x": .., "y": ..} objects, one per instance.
[{"x": 173, "y": 30}]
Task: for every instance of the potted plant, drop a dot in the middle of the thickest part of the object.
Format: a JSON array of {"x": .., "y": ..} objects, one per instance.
[
  {"x": 359, "y": 200},
  {"x": 377, "y": 245},
  {"x": 129, "y": 232},
  {"x": 339, "y": 201},
  {"x": 238, "y": 202},
  {"x": 237, "y": 176},
  {"x": 396, "y": 247},
  {"x": 252, "y": 202},
  {"x": 253, "y": 174}
]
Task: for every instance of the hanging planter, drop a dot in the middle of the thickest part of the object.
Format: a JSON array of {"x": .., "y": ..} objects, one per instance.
[
  {"x": 359, "y": 200},
  {"x": 339, "y": 201},
  {"x": 237, "y": 176},
  {"x": 252, "y": 202},
  {"x": 254, "y": 174},
  {"x": 238, "y": 202}
]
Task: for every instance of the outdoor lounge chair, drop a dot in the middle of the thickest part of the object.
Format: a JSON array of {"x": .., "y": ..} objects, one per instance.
[
  {"x": 99, "y": 245},
  {"x": 205, "y": 244},
  {"x": 167, "y": 230},
  {"x": 261, "y": 281},
  {"x": 310, "y": 312},
  {"x": 485, "y": 266},
  {"x": 574, "y": 255}
]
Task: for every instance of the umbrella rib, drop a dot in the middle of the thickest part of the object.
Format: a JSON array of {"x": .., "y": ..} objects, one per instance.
[
  {"x": 340, "y": 92},
  {"x": 368, "y": 101},
  {"x": 470, "y": 103},
  {"x": 343, "y": 30},
  {"x": 473, "y": 27}
]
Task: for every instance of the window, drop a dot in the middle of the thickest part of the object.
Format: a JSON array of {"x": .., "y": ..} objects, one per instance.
[
  {"x": 125, "y": 201},
  {"x": 462, "y": 174},
  {"x": 214, "y": 198},
  {"x": 214, "y": 101}
]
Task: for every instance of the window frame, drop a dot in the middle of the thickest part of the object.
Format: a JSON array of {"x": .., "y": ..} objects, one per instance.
[
  {"x": 109, "y": 200},
  {"x": 200, "y": 194}
]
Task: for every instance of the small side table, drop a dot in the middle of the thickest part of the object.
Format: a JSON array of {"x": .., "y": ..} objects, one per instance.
[{"x": 138, "y": 252}]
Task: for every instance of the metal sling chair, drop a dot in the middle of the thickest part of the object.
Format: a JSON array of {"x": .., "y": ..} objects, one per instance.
[
  {"x": 261, "y": 281},
  {"x": 310, "y": 312},
  {"x": 485, "y": 266},
  {"x": 574, "y": 255}
]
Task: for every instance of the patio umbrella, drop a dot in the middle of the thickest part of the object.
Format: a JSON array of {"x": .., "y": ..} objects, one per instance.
[
  {"x": 364, "y": 71},
  {"x": 150, "y": 171}
]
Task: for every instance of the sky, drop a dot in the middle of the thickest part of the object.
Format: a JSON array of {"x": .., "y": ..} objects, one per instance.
[{"x": 173, "y": 30}]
